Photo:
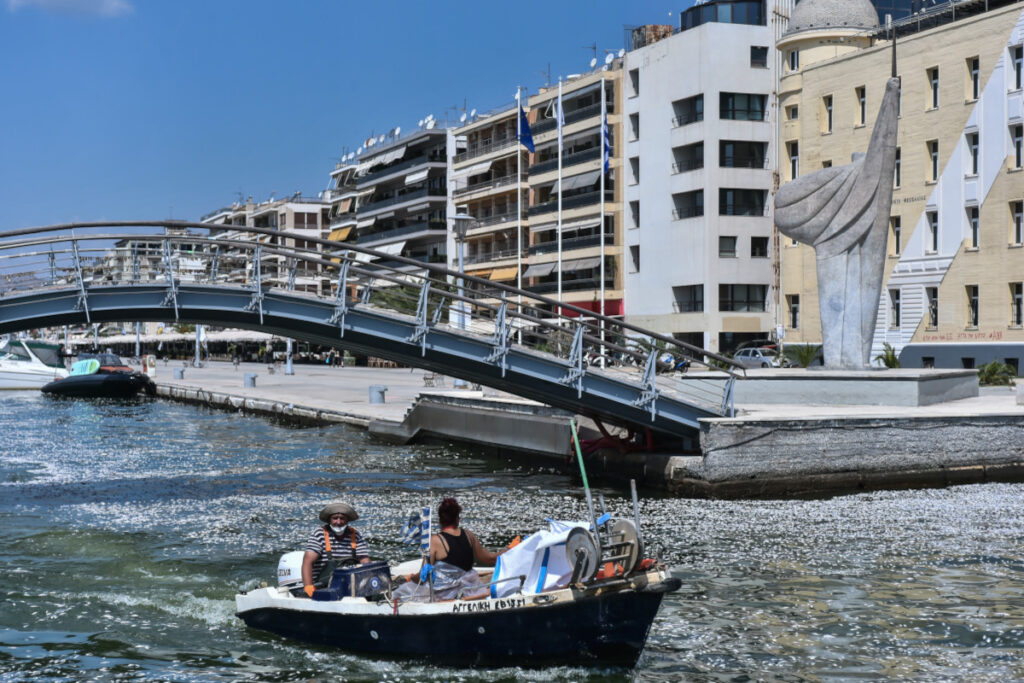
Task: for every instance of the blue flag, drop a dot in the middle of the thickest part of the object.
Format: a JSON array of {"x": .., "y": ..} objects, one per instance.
[{"x": 525, "y": 136}]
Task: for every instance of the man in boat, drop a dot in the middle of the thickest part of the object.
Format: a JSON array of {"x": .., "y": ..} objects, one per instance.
[{"x": 335, "y": 542}]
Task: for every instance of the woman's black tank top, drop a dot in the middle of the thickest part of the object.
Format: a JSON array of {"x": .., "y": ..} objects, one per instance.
[{"x": 460, "y": 552}]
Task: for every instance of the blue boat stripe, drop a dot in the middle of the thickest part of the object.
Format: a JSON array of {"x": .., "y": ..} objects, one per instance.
[
  {"x": 543, "y": 571},
  {"x": 495, "y": 576}
]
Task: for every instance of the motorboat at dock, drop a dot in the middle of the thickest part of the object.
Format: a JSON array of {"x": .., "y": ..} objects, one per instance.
[
  {"x": 29, "y": 363},
  {"x": 101, "y": 375}
]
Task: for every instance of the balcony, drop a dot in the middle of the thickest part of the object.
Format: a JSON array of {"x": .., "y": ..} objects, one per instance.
[
  {"x": 479, "y": 150},
  {"x": 545, "y": 125},
  {"x": 374, "y": 176},
  {"x": 743, "y": 162},
  {"x": 371, "y": 238},
  {"x": 572, "y": 243},
  {"x": 686, "y": 119},
  {"x": 494, "y": 220},
  {"x": 571, "y": 285},
  {"x": 342, "y": 219},
  {"x": 495, "y": 255},
  {"x": 687, "y": 165},
  {"x": 567, "y": 160},
  {"x": 573, "y": 202},
  {"x": 427, "y": 192},
  {"x": 687, "y": 212},
  {"x": 488, "y": 185}
]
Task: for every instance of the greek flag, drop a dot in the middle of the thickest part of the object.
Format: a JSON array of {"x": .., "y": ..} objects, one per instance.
[
  {"x": 607, "y": 142},
  {"x": 525, "y": 135},
  {"x": 417, "y": 529}
]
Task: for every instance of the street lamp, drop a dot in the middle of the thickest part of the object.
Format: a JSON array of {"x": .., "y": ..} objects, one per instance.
[{"x": 462, "y": 221}]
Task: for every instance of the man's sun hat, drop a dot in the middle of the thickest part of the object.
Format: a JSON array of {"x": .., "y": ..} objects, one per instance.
[{"x": 338, "y": 508}]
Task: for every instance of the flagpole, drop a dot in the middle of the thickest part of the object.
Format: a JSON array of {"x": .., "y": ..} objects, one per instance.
[
  {"x": 559, "y": 229},
  {"x": 519, "y": 205},
  {"x": 604, "y": 150}
]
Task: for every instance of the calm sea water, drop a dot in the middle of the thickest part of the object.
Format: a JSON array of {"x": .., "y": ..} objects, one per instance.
[{"x": 125, "y": 530}]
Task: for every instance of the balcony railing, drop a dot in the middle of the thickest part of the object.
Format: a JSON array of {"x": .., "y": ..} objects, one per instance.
[
  {"x": 687, "y": 165},
  {"x": 495, "y": 255},
  {"x": 408, "y": 196},
  {"x": 743, "y": 162},
  {"x": 495, "y": 219},
  {"x": 480, "y": 150},
  {"x": 373, "y": 237},
  {"x": 573, "y": 202},
  {"x": 684, "y": 119},
  {"x": 567, "y": 160},
  {"x": 342, "y": 219},
  {"x": 572, "y": 243},
  {"x": 489, "y": 185},
  {"x": 545, "y": 125},
  {"x": 570, "y": 285},
  {"x": 687, "y": 212},
  {"x": 373, "y": 176}
]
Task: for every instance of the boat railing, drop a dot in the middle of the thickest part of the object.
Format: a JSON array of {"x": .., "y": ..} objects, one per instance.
[{"x": 473, "y": 589}]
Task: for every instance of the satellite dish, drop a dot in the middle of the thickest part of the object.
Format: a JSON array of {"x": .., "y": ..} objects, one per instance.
[
  {"x": 593, "y": 62},
  {"x": 380, "y": 139},
  {"x": 608, "y": 58},
  {"x": 473, "y": 113},
  {"x": 398, "y": 131},
  {"x": 420, "y": 123},
  {"x": 462, "y": 119},
  {"x": 359, "y": 151},
  {"x": 622, "y": 51},
  {"x": 604, "y": 68}
]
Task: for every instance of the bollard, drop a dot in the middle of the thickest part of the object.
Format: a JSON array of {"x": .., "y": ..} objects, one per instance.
[
  {"x": 377, "y": 393},
  {"x": 179, "y": 373},
  {"x": 250, "y": 380}
]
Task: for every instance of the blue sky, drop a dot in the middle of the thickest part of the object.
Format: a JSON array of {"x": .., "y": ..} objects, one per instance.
[{"x": 154, "y": 109}]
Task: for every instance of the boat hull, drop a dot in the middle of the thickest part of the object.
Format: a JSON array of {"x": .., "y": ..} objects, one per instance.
[
  {"x": 27, "y": 379},
  {"x": 607, "y": 629},
  {"x": 110, "y": 385}
]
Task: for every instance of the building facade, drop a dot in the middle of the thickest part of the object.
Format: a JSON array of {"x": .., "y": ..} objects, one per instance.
[
  {"x": 953, "y": 290},
  {"x": 699, "y": 162}
]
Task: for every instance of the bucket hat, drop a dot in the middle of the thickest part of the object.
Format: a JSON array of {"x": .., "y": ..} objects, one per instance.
[{"x": 338, "y": 508}]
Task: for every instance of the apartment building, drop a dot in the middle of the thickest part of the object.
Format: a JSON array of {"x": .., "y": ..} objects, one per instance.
[
  {"x": 488, "y": 181},
  {"x": 955, "y": 266},
  {"x": 341, "y": 197},
  {"x": 402, "y": 195},
  {"x": 699, "y": 167},
  {"x": 589, "y": 248}
]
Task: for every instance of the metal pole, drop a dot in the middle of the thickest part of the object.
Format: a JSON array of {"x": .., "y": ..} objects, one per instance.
[
  {"x": 96, "y": 336},
  {"x": 138, "y": 341},
  {"x": 604, "y": 150},
  {"x": 558, "y": 122},
  {"x": 519, "y": 207},
  {"x": 195, "y": 361},
  {"x": 288, "y": 369},
  {"x": 461, "y": 383}
]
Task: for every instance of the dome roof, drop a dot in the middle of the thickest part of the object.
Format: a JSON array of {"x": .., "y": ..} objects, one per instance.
[{"x": 820, "y": 15}]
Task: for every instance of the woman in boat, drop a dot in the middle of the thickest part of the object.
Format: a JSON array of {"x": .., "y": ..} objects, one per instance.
[
  {"x": 336, "y": 541},
  {"x": 456, "y": 546}
]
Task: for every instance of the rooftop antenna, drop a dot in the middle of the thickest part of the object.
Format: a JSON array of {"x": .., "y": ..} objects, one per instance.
[
  {"x": 547, "y": 76},
  {"x": 593, "y": 48}
]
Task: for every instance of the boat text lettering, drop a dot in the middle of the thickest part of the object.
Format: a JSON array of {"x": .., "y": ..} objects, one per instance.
[{"x": 507, "y": 603}]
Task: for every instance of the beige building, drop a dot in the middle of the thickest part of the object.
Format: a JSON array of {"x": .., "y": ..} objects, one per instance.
[{"x": 953, "y": 290}]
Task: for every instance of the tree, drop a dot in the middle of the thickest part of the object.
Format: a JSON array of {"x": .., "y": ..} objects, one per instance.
[
  {"x": 996, "y": 374},
  {"x": 889, "y": 358},
  {"x": 803, "y": 355}
]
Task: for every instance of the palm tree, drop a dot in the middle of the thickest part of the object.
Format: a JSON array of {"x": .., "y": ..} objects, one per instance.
[
  {"x": 996, "y": 374},
  {"x": 888, "y": 357},
  {"x": 804, "y": 354}
]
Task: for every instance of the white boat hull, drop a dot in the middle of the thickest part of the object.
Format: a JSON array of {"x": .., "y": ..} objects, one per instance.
[{"x": 29, "y": 377}]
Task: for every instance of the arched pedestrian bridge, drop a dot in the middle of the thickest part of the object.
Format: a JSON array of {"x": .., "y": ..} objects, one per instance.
[{"x": 352, "y": 297}]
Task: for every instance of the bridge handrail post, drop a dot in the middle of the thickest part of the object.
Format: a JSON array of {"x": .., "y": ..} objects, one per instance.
[
  {"x": 576, "y": 371},
  {"x": 420, "y": 334},
  {"x": 172, "y": 285},
  {"x": 293, "y": 270},
  {"x": 257, "y": 282},
  {"x": 341, "y": 296},
  {"x": 83, "y": 296},
  {"x": 215, "y": 263},
  {"x": 502, "y": 335},
  {"x": 728, "y": 404},
  {"x": 649, "y": 392}
]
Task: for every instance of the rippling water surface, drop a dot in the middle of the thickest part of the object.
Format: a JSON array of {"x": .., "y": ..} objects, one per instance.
[{"x": 125, "y": 530}]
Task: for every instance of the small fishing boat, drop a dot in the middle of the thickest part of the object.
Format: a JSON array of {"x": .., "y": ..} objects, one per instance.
[
  {"x": 579, "y": 593},
  {"x": 29, "y": 364},
  {"x": 101, "y": 375}
]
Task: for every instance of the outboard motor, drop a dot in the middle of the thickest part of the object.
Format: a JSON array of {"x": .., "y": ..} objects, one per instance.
[{"x": 289, "y": 570}]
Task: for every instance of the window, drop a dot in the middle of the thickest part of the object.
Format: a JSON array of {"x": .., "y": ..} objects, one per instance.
[
  {"x": 896, "y": 224},
  {"x": 894, "y": 308},
  {"x": 687, "y": 111},
  {"x": 758, "y": 56},
  {"x": 793, "y": 58},
  {"x": 972, "y": 148},
  {"x": 688, "y": 157},
  {"x": 634, "y": 82},
  {"x": 1018, "y": 59},
  {"x": 862, "y": 106},
  {"x": 793, "y": 303},
  {"x": 933, "y": 83},
  {"x": 972, "y": 222},
  {"x": 634, "y": 170},
  {"x": 726, "y": 247},
  {"x": 740, "y": 106},
  {"x": 826, "y": 103},
  {"x": 758, "y": 247},
  {"x": 972, "y": 305},
  {"x": 1017, "y": 304},
  {"x": 794, "y": 159},
  {"x": 973, "y": 78},
  {"x": 933, "y": 157},
  {"x": 898, "y": 174},
  {"x": 634, "y": 212},
  {"x": 1017, "y": 222},
  {"x": 741, "y": 202},
  {"x": 899, "y": 97},
  {"x": 741, "y": 154},
  {"x": 689, "y": 298},
  {"x": 634, "y": 258},
  {"x": 967, "y": 363},
  {"x": 688, "y": 204},
  {"x": 933, "y": 232},
  {"x": 928, "y": 362},
  {"x": 742, "y": 297},
  {"x": 826, "y": 163},
  {"x": 792, "y": 113},
  {"x": 634, "y": 126},
  {"x": 1016, "y": 134},
  {"x": 932, "y": 294}
]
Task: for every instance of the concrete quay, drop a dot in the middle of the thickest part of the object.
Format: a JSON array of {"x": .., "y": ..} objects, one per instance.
[{"x": 769, "y": 449}]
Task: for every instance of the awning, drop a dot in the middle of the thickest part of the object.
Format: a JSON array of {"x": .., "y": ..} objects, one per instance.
[
  {"x": 504, "y": 273},
  {"x": 340, "y": 235},
  {"x": 475, "y": 169},
  {"x": 345, "y": 205},
  {"x": 540, "y": 269},
  {"x": 391, "y": 249},
  {"x": 386, "y": 214},
  {"x": 366, "y": 222},
  {"x": 577, "y": 181},
  {"x": 583, "y": 224},
  {"x": 363, "y": 257},
  {"x": 485, "y": 272},
  {"x": 418, "y": 176},
  {"x": 582, "y": 264}
]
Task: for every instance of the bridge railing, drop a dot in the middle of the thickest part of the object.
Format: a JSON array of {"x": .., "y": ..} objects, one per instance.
[{"x": 84, "y": 256}]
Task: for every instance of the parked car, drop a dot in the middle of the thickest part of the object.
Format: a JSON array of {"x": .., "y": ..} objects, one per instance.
[{"x": 760, "y": 357}]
